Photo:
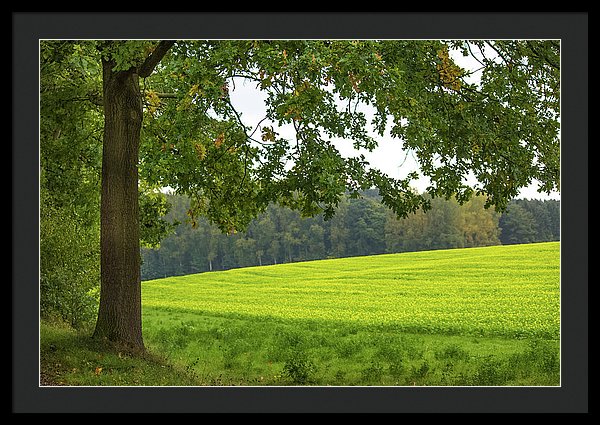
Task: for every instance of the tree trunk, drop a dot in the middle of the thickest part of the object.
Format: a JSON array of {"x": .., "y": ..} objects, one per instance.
[{"x": 120, "y": 312}]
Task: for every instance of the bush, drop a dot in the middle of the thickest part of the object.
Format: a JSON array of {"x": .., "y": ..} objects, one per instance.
[
  {"x": 373, "y": 373},
  {"x": 347, "y": 348},
  {"x": 69, "y": 266},
  {"x": 491, "y": 372},
  {"x": 544, "y": 356},
  {"x": 298, "y": 367}
]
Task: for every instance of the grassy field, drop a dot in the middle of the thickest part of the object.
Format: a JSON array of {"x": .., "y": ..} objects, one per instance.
[{"x": 477, "y": 316}]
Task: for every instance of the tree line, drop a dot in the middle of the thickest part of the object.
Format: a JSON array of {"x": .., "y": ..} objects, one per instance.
[{"x": 361, "y": 226}]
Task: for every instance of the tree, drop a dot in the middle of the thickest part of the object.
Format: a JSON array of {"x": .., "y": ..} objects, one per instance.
[
  {"x": 338, "y": 231},
  {"x": 365, "y": 222},
  {"x": 441, "y": 225},
  {"x": 547, "y": 218},
  {"x": 406, "y": 234},
  {"x": 479, "y": 226},
  {"x": 70, "y": 161},
  {"x": 517, "y": 225},
  {"x": 245, "y": 252},
  {"x": 503, "y": 130},
  {"x": 314, "y": 242},
  {"x": 530, "y": 220},
  {"x": 264, "y": 232},
  {"x": 69, "y": 268},
  {"x": 120, "y": 311},
  {"x": 553, "y": 209}
]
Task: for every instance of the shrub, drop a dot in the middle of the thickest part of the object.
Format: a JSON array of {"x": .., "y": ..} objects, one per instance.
[
  {"x": 69, "y": 266},
  {"x": 545, "y": 356},
  {"x": 346, "y": 348},
  {"x": 373, "y": 373},
  {"x": 298, "y": 367},
  {"x": 490, "y": 372}
]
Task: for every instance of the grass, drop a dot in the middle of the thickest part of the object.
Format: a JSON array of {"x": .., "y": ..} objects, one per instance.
[
  {"x": 479, "y": 316},
  {"x": 464, "y": 317},
  {"x": 510, "y": 291},
  {"x": 245, "y": 351},
  {"x": 70, "y": 357}
]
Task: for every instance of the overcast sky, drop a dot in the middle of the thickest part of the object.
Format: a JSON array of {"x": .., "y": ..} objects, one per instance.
[{"x": 388, "y": 157}]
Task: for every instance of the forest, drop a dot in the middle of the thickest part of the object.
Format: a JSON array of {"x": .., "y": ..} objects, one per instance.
[{"x": 362, "y": 226}]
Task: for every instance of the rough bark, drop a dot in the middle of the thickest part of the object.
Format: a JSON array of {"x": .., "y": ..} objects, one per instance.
[{"x": 119, "y": 314}]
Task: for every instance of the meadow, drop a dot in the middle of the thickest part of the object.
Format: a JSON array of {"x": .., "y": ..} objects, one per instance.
[{"x": 463, "y": 317}]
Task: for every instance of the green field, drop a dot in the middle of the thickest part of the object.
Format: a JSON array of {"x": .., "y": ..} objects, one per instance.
[{"x": 476, "y": 316}]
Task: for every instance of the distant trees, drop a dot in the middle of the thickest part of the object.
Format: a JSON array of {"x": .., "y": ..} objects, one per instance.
[
  {"x": 361, "y": 226},
  {"x": 447, "y": 225},
  {"x": 530, "y": 221}
]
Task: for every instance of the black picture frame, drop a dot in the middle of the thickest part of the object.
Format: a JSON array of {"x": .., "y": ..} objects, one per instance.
[{"x": 29, "y": 28}]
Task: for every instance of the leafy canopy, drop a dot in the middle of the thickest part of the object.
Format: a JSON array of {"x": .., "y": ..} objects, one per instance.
[{"x": 502, "y": 128}]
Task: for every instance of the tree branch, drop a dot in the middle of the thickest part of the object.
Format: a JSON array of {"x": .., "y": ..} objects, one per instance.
[
  {"x": 167, "y": 95},
  {"x": 506, "y": 61},
  {"x": 239, "y": 120},
  {"x": 473, "y": 55},
  {"x": 154, "y": 58},
  {"x": 92, "y": 97},
  {"x": 257, "y": 126},
  {"x": 544, "y": 57}
]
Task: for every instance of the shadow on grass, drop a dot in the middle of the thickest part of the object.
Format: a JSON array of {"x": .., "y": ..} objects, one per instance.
[{"x": 72, "y": 357}]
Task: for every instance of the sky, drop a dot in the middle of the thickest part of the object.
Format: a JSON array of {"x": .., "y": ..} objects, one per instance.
[{"x": 388, "y": 157}]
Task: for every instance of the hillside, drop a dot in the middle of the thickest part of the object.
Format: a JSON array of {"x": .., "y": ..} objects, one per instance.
[
  {"x": 501, "y": 290},
  {"x": 462, "y": 317}
]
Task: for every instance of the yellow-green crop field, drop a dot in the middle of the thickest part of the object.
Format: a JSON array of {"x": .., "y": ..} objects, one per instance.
[{"x": 488, "y": 303}]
